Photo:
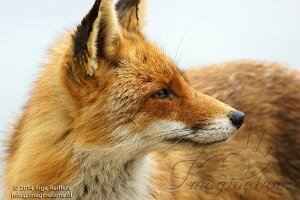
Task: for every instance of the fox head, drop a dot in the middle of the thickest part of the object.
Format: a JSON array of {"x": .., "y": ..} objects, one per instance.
[{"x": 128, "y": 93}]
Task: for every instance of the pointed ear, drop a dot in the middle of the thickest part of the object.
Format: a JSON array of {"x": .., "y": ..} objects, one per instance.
[
  {"x": 131, "y": 14},
  {"x": 98, "y": 35}
]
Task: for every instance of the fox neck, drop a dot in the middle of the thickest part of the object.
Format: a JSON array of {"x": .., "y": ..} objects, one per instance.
[{"x": 101, "y": 177}]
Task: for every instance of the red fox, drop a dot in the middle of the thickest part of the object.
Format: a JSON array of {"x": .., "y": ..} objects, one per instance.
[{"x": 109, "y": 110}]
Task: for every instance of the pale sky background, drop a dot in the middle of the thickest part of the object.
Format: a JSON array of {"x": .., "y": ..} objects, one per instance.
[{"x": 200, "y": 31}]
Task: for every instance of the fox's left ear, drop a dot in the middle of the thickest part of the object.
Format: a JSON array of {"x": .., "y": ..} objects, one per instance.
[
  {"x": 97, "y": 37},
  {"x": 131, "y": 14}
]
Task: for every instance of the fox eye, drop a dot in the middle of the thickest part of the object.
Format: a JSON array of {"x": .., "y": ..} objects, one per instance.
[{"x": 163, "y": 94}]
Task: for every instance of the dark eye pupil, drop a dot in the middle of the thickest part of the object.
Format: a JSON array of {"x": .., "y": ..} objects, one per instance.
[{"x": 163, "y": 94}]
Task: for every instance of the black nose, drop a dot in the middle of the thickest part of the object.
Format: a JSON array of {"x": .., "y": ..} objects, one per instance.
[{"x": 237, "y": 118}]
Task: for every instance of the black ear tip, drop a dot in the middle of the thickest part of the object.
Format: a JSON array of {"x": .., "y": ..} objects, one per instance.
[
  {"x": 84, "y": 29},
  {"x": 123, "y": 5}
]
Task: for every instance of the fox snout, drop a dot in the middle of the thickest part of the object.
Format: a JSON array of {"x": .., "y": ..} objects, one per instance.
[
  {"x": 217, "y": 129},
  {"x": 237, "y": 118}
]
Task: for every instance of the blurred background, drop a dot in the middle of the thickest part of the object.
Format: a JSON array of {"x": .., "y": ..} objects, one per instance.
[{"x": 193, "y": 33}]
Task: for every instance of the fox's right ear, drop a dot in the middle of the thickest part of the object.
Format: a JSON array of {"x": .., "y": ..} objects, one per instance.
[
  {"x": 131, "y": 14},
  {"x": 97, "y": 37}
]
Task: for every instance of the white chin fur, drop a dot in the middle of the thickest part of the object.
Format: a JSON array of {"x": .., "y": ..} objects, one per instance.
[
  {"x": 219, "y": 130},
  {"x": 153, "y": 136}
]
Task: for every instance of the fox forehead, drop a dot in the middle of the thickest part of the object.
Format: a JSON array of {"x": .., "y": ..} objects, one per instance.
[
  {"x": 146, "y": 61},
  {"x": 142, "y": 61},
  {"x": 145, "y": 56}
]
